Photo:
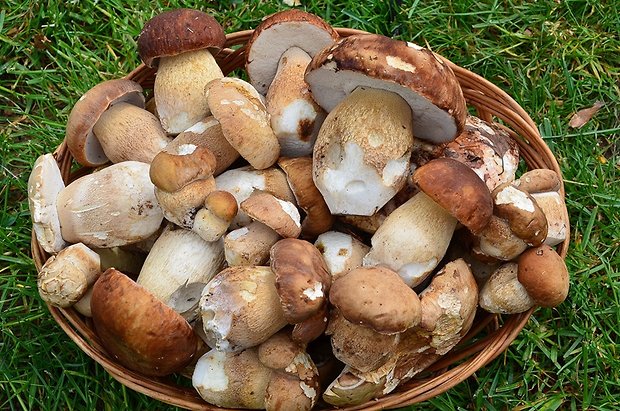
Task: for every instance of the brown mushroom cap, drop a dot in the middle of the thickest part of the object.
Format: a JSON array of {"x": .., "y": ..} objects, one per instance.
[
  {"x": 172, "y": 170},
  {"x": 458, "y": 189},
  {"x": 177, "y": 31},
  {"x": 376, "y": 297},
  {"x": 79, "y": 136},
  {"x": 427, "y": 83},
  {"x": 278, "y": 214},
  {"x": 538, "y": 181},
  {"x": 302, "y": 278},
  {"x": 278, "y": 33},
  {"x": 141, "y": 332},
  {"x": 527, "y": 221},
  {"x": 544, "y": 275}
]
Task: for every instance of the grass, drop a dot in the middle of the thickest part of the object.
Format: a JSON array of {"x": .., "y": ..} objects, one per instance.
[{"x": 553, "y": 57}]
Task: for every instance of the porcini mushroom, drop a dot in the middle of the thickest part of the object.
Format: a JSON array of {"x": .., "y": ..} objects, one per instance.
[
  {"x": 249, "y": 245},
  {"x": 180, "y": 44},
  {"x": 341, "y": 252},
  {"x": 280, "y": 215}
]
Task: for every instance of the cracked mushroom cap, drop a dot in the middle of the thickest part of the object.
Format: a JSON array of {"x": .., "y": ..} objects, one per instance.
[
  {"x": 377, "y": 298},
  {"x": 457, "y": 189},
  {"x": 44, "y": 185},
  {"x": 244, "y": 120},
  {"x": 302, "y": 278},
  {"x": 278, "y": 33},
  {"x": 178, "y": 31},
  {"x": 527, "y": 221},
  {"x": 544, "y": 275},
  {"x": 280, "y": 215},
  {"x": 140, "y": 331},
  {"x": 298, "y": 171},
  {"x": 81, "y": 140},
  {"x": 420, "y": 77}
]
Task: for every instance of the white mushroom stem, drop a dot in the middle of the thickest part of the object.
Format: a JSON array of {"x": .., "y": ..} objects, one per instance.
[
  {"x": 504, "y": 294},
  {"x": 552, "y": 205},
  {"x": 342, "y": 252},
  {"x": 179, "y": 88},
  {"x": 413, "y": 239},
  {"x": 178, "y": 267}
]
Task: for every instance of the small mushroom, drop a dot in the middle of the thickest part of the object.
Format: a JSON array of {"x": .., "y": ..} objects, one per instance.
[
  {"x": 128, "y": 132},
  {"x": 180, "y": 43},
  {"x": 66, "y": 277},
  {"x": 503, "y": 293},
  {"x": 44, "y": 185},
  {"x": 81, "y": 141},
  {"x": 318, "y": 218},
  {"x": 213, "y": 220},
  {"x": 280, "y": 215},
  {"x": 141, "y": 332},
  {"x": 544, "y": 275},
  {"x": 244, "y": 120},
  {"x": 341, "y": 252},
  {"x": 179, "y": 266},
  {"x": 241, "y": 182},
  {"x": 111, "y": 207},
  {"x": 180, "y": 207},
  {"x": 176, "y": 166},
  {"x": 249, "y": 245},
  {"x": 498, "y": 241}
]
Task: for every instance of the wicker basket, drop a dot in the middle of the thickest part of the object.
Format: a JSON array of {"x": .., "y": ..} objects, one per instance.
[{"x": 488, "y": 338}]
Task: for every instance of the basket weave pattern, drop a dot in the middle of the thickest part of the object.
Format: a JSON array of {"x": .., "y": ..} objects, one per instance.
[{"x": 487, "y": 339}]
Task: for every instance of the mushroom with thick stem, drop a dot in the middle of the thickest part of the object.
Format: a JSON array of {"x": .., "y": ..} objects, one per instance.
[
  {"x": 179, "y": 266},
  {"x": 244, "y": 120},
  {"x": 66, "y": 277},
  {"x": 81, "y": 141},
  {"x": 249, "y": 245},
  {"x": 212, "y": 221},
  {"x": 180, "y": 43},
  {"x": 503, "y": 293},
  {"x": 141, "y": 332},
  {"x": 280, "y": 215},
  {"x": 44, "y": 185},
  {"x": 111, "y": 207}
]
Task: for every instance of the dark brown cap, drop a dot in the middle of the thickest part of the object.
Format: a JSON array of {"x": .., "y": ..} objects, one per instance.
[
  {"x": 177, "y": 31},
  {"x": 544, "y": 275},
  {"x": 458, "y": 189}
]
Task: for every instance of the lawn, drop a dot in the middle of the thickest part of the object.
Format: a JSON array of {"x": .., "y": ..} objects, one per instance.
[{"x": 553, "y": 57}]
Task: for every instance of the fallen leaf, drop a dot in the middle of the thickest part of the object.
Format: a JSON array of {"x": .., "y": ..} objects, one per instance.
[
  {"x": 581, "y": 117},
  {"x": 602, "y": 159}
]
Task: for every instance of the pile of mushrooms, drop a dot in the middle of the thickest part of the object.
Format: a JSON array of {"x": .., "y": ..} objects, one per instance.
[{"x": 319, "y": 234}]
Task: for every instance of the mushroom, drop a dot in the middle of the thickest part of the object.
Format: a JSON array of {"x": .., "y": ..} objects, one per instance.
[
  {"x": 544, "y": 275},
  {"x": 525, "y": 218},
  {"x": 180, "y": 207},
  {"x": 484, "y": 147},
  {"x": 318, "y": 219},
  {"x": 66, "y": 277},
  {"x": 111, "y": 207},
  {"x": 212, "y": 221},
  {"x": 376, "y": 307},
  {"x": 44, "y": 185},
  {"x": 503, "y": 293},
  {"x": 128, "y": 132},
  {"x": 208, "y": 133},
  {"x": 249, "y": 245},
  {"x": 278, "y": 53},
  {"x": 141, "y": 332},
  {"x": 241, "y": 182},
  {"x": 415, "y": 236},
  {"x": 341, "y": 252},
  {"x": 179, "y": 266},
  {"x": 280, "y": 215},
  {"x": 179, "y": 43},
  {"x": 81, "y": 141},
  {"x": 244, "y": 120}
]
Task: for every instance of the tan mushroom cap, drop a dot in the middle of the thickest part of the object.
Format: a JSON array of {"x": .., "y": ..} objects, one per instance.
[
  {"x": 420, "y": 77},
  {"x": 318, "y": 218},
  {"x": 81, "y": 141},
  {"x": 178, "y": 31},
  {"x": 544, "y": 275},
  {"x": 44, "y": 185},
  {"x": 286, "y": 392},
  {"x": 249, "y": 245},
  {"x": 127, "y": 132},
  {"x": 302, "y": 278},
  {"x": 278, "y": 33},
  {"x": 244, "y": 120},
  {"x": 278, "y": 214},
  {"x": 527, "y": 221},
  {"x": 376, "y": 297},
  {"x": 141, "y": 332},
  {"x": 538, "y": 181},
  {"x": 173, "y": 169},
  {"x": 66, "y": 277},
  {"x": 213, "y": 220},
  {"x": 181, "y": 206},
  {"x": 311, "y": 328},
  {"x": 458, "y": 189}
]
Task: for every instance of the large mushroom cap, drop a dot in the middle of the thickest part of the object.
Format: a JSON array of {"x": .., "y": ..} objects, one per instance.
[
  {"x": 376, "y": 297},
  {"x": 79, "y": 136},
  {"x": 544, "y": 275},
  {"x": 278, "y": 33},
  {"x": 177, "y": 31},
  {"x": 458, "y": 189},
  {"x": 140, "y": 331},
  {"x": 415, "y": 73}
]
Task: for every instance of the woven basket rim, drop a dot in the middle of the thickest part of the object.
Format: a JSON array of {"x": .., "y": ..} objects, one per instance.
[{"x": 490, "y": 102}]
